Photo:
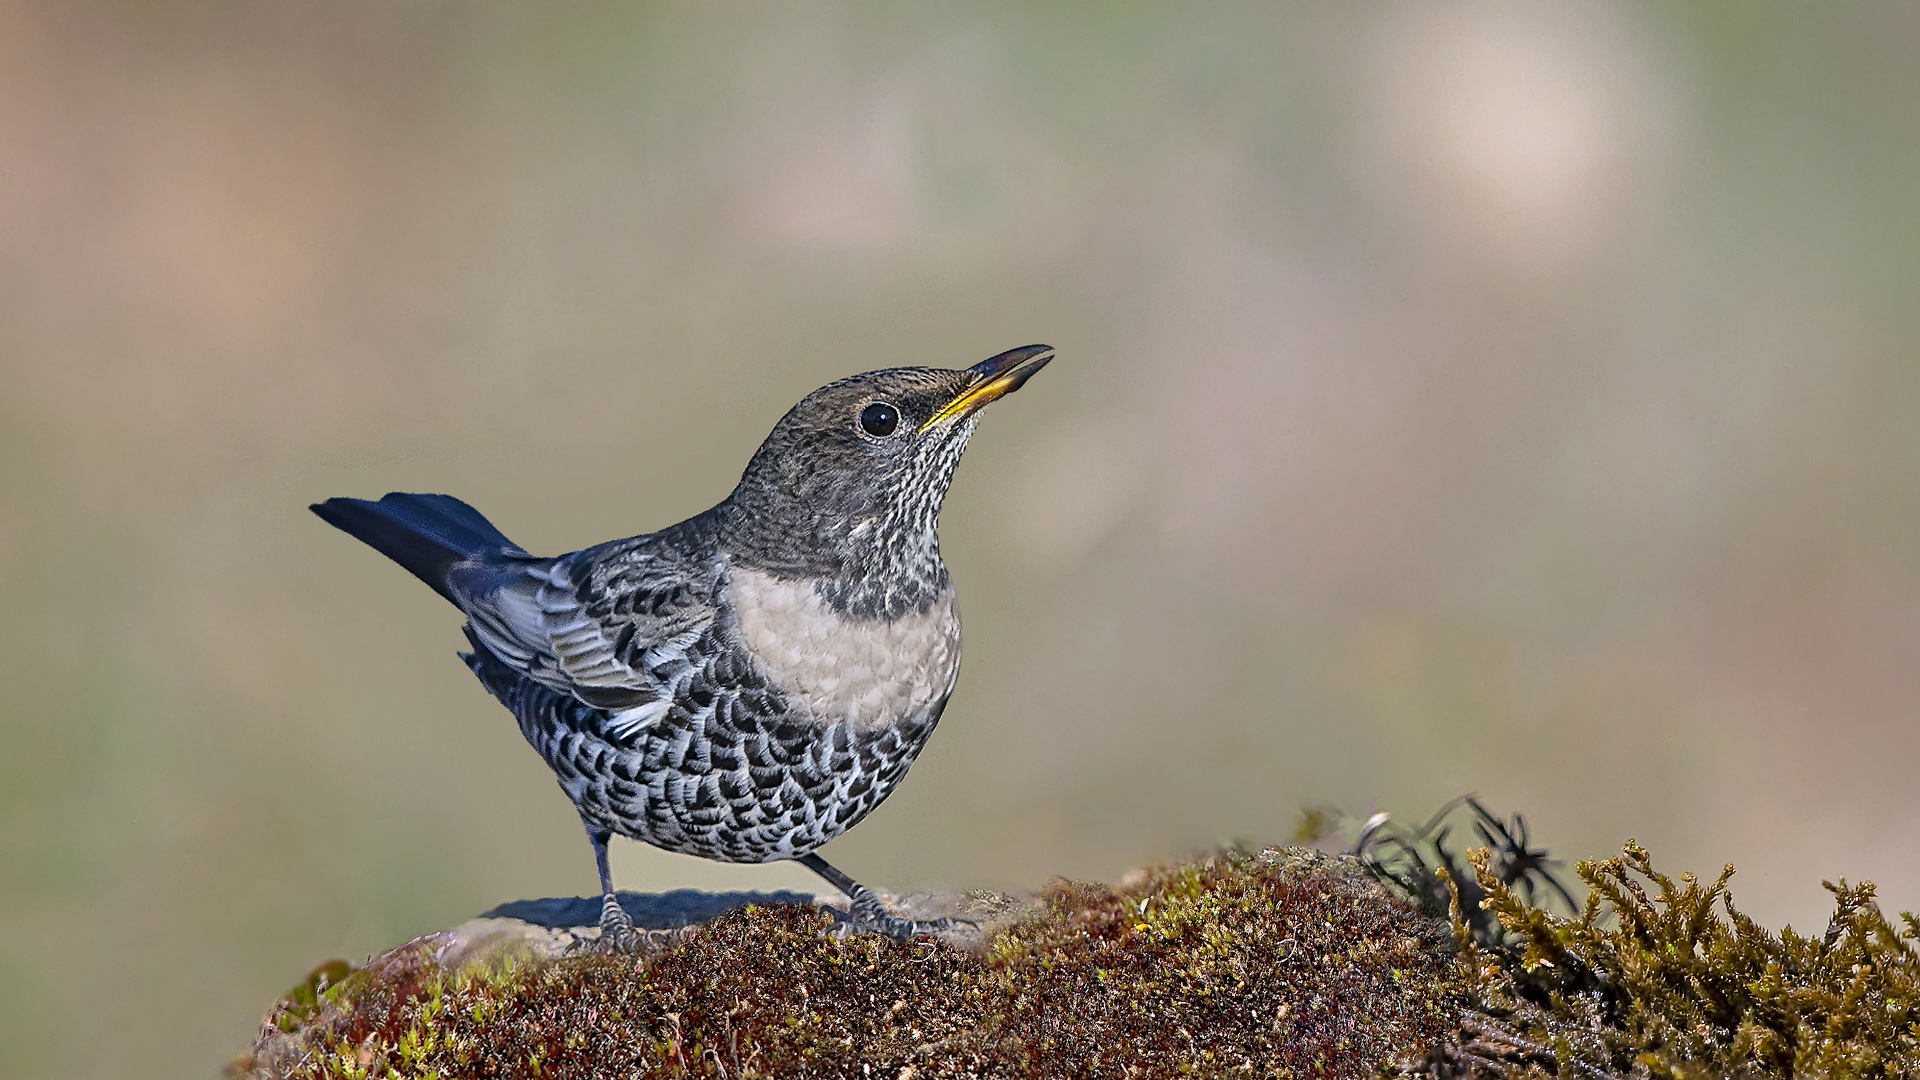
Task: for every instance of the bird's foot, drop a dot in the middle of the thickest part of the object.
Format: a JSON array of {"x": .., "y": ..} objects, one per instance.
[
  {"x": 866, "y": 916},
  {"x": 617, "y": 933}
]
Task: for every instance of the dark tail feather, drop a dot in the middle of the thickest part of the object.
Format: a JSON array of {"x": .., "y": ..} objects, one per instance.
[{"x": 427, "y": 534}]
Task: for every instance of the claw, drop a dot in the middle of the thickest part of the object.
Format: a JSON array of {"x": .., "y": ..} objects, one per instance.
[
  {"x": 617, "y": 943},
  {"x": 893, "y": 927},
  {"x": 866, "y": 916},
  {"x": 617, "y": 934}
]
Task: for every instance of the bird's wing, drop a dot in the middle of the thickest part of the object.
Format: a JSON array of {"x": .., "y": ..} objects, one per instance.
[{"x": 610, "y": 625}]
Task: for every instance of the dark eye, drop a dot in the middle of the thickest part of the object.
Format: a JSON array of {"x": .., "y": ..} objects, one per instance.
[{"x": 879, "y": 419}]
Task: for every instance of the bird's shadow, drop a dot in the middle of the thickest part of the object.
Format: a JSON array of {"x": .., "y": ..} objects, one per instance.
[{"x": 649, "y": 911}]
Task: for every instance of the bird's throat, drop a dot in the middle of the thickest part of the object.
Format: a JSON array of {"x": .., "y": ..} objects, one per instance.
[{"x": 880, "y": 567}]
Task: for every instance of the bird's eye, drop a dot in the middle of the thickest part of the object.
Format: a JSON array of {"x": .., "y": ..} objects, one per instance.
[{"x": 879, "y": 419}]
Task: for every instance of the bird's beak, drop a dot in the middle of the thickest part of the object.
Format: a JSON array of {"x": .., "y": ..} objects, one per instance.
[{"x": 994, "y": 379}]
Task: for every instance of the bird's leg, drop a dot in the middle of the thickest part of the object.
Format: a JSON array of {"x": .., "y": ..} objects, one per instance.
[
  {"x": 616, "y": 926},
  {"x": 864, "y": 913}
]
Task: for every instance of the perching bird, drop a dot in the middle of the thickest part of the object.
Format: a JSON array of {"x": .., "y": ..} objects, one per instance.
[{"x": 752, "y": 682}]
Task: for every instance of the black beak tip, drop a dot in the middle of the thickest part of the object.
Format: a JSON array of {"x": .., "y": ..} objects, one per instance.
[
  {"x": 1014, "y": 358},
  {"x": 1019, "y": 377}
]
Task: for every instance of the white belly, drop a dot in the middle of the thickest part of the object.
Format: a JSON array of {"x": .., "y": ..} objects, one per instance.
[{"x": 866, "y": 673}]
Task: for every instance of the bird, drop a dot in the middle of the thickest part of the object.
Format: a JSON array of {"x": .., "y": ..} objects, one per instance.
[{"x": 750, "y": 683}]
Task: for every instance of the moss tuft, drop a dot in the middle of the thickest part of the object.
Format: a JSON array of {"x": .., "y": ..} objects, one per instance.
[
  {"x": 1225, "y": 964},
  {"x": 302, "y": 1003},
  {"x": 1281, "y": 963},
  {"x": 1665, "y": 986}
]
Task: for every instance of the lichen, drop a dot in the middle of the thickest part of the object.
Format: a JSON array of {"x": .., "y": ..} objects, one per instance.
[{"x": 1277, "y": 963}]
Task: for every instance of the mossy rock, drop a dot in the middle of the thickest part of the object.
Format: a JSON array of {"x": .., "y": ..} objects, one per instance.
[{"x": 1285, "y": 962}]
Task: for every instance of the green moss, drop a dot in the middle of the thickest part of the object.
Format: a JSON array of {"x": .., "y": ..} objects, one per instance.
[
  {"x": 1680, "y": 984},
  {"x": 1272, "y": 964},
  {"x": 302, "y": 1003}
]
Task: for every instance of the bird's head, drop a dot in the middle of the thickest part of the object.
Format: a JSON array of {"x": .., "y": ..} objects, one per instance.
[{"x": 853, "y": 476}]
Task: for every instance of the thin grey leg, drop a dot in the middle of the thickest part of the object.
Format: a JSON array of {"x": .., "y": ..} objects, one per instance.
[
  {"x": 616, "y": 927},
  {"x": 865, "y": 914}
]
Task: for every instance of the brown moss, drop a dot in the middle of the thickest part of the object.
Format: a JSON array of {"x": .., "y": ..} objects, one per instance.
[
  {"x": 1284, "y": 963},
  {"x": 1276, "y": 964},
  {"x": 1227, "y": 966}
]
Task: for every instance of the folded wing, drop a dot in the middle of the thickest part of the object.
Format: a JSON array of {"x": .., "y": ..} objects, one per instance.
[{"x": 613, "y": 625}]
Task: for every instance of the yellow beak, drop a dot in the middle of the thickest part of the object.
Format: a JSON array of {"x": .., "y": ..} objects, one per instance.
[{"x": 994, "y": 379}]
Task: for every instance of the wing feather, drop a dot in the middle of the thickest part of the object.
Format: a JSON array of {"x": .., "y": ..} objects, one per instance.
[{"x": 612, "y": 625}]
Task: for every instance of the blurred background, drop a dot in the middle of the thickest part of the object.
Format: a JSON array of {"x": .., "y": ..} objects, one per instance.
[{"x": 1515, "y": 398}]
